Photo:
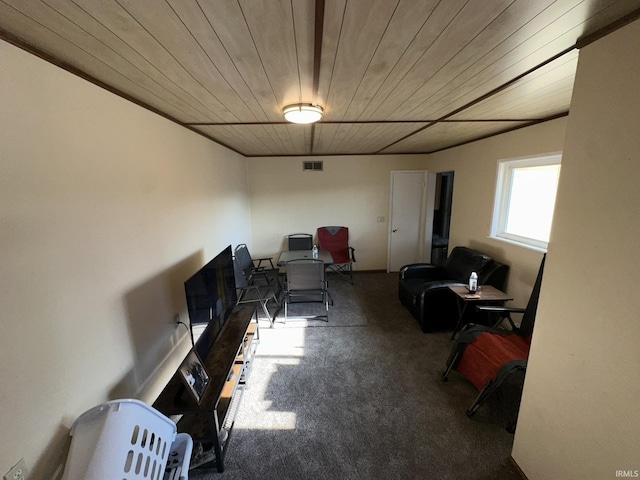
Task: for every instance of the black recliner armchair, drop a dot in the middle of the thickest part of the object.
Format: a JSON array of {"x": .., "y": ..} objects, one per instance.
[{"x": 424, "y": 288}]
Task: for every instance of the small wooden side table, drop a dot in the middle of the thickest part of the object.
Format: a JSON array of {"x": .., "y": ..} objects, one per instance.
[{"x": 486, "y": 294}]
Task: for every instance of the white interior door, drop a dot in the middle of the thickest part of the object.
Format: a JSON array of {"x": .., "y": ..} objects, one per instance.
[{"x": 409, "y": 230}]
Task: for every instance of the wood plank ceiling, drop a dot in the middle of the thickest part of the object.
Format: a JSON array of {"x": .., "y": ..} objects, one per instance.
[{"x": 393, "y": 76}]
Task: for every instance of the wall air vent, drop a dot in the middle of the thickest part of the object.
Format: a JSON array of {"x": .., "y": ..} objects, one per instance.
[{"x": 312, "y": 166}]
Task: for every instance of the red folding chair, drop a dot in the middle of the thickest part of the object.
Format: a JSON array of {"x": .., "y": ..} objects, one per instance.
[{"x": 336, "y": 241}]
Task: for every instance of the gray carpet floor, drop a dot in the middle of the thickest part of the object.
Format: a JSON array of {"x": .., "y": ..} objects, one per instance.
[{"x": 361, "y": 397}]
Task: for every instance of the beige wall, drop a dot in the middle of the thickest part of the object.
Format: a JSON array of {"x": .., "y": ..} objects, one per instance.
[
  {"x": 579, "y": 416},
  {"x": 476, "y": 169},
  {"x": 351, "y": 191},
  {"x": 105, "y": 210},
  {"x": 354, "y": 191}
]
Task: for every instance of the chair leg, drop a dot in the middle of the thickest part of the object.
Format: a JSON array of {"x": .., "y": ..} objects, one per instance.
[
  {"x": 330, "y": 299},
  {"x": 326, "y": 305},
  {"x": 272, "y": 318},
  {"x": 285, "y": 310},
  {"x": 276, "y": 311},
  {"x": 263, "y": 302},
  {"x": 480, "y": 399},
  {"x": 449, "y": 367},
  {"x": 349, "y": 273},
  {"x": 344, "y": 271}
]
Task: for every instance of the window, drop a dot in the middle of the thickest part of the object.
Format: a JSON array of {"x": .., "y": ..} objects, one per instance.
[{"x": 525, "y": 199}]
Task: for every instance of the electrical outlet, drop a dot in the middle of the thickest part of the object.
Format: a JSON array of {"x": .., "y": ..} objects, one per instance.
[
  {"x": 18, "y": 472},
  {"x": 176, "y": 318}
]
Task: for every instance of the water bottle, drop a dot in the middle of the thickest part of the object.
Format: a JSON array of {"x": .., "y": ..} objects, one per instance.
[
  {"x": 473, "y": 282},
  {"x": 315, "y": 251}
]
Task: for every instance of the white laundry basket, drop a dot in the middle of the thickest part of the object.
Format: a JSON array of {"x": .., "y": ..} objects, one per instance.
[{"x": 128, "y": 440}]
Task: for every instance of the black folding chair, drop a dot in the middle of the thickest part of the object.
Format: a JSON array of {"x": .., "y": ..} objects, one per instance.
[
  {"x": 254, "y": 270},
  {"x": 251, "y": 292},
  {"x": 306, "y": 283},
  {"x": 300, "y": 241},
  {"x": 488, "y": 356}
]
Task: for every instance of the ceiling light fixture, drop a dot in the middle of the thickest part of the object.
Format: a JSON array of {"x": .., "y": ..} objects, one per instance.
[{"x": 302, "y": 113}]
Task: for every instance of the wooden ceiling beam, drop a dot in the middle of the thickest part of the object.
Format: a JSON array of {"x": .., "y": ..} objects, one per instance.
[
  {"x": 317, "y": 47},
  {"x": 317, "y": 56}
]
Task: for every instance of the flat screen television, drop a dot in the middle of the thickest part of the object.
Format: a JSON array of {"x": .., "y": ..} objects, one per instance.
[{"x": 211, "y": 296}]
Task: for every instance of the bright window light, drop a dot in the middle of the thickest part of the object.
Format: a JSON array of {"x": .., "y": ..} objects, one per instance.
[{"x": 525, "y": 200}]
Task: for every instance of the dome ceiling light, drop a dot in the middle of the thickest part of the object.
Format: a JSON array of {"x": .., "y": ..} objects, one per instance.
[{"x": 302, "y": 113}]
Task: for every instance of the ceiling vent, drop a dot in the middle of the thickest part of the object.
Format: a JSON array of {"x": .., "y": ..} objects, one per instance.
[{"x": 312, "y": 166}]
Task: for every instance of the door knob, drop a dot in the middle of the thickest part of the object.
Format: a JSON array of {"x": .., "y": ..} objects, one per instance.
[{"x": 394, "y": 230}]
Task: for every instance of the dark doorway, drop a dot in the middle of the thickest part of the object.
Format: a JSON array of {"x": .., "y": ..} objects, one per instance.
[{"x": 442, "y": 217}]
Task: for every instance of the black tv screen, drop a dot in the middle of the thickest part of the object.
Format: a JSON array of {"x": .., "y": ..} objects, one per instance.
[{"x": 211, "y": 296}]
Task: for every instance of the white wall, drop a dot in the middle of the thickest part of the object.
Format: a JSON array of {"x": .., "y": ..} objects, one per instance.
[
  {"x": 351, "y": 191},
  {"x": 105, "y": 210},
  {"x": 579, "y": 417},
  {"x": 476, "y": 166},
  {"x": 354, "y": 191}
]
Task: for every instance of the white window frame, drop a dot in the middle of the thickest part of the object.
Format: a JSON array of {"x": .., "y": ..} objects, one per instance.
[{"x": 503, "y": 195}]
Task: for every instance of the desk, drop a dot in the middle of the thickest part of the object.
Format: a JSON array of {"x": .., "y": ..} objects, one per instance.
[
  {"x": 486, "y": 294},
  {"x": 288, "y": 255}
]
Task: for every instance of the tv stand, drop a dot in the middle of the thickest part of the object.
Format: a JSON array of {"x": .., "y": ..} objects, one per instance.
[{"x": 228, "y": 364}]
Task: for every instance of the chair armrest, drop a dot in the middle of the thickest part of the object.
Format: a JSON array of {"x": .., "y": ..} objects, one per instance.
[
  {"x": 270, "y": 276},
  {"x": 496, "y": 309},
  {"x": 472, "y": 327},
  {"x": 502, "y": 312},
  {"x": 352, "y": 254},
  {"x": 264, "y": 259},
  {"x": 424, "y": 271}
]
